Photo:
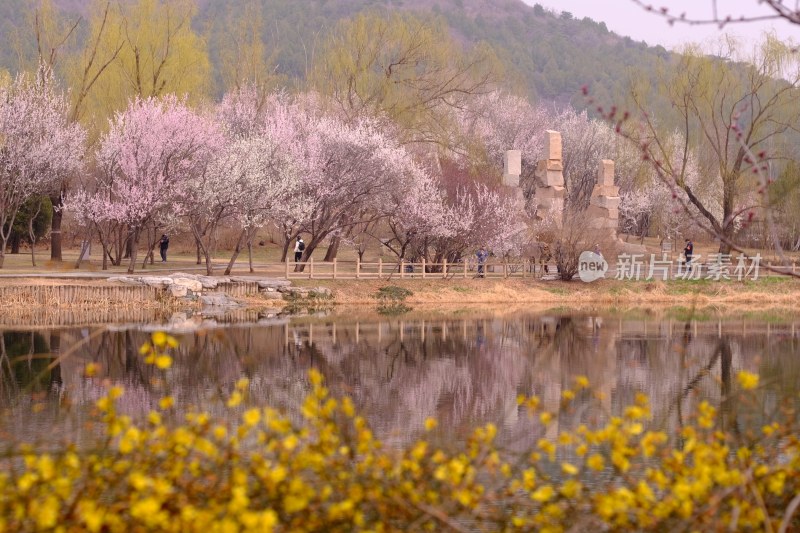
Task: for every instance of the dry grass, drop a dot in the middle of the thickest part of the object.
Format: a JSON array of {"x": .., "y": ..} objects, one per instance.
[{"x": 772, "y": 291}]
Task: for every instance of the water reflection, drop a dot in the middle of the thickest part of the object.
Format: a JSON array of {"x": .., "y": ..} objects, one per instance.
[{"x": 400, "y": 371}]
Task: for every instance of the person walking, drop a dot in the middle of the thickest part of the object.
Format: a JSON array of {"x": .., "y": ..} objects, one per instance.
[
  {"x": 688, "y": 251},
  {"x": 163, "y": 245},
  {"x": 299, "y": 246},
  {"x": 481, "y": 254}
]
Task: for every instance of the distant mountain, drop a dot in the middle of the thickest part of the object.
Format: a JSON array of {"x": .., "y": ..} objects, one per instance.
[{"x": 555, "y": 55}]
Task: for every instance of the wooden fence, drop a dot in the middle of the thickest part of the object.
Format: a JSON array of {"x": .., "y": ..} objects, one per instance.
[
  {"x": 78, "y": 296},
  {"x": 337, "y": 269},
  {"x": 520, "y": 268}
]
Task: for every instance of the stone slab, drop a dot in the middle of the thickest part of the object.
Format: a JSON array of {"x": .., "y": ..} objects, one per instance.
[
  {"x": 552, "y": 144},
  {"x": 125, "y": 280},
  {"x": 550, "y": 192},
  {"x": 272, "y": 295},
  {"x": 178, "y": 291},
  {"x": 156, "y": 282},
  {"x": 190, "y": 284},
  {"x": 218, "y": 299},
  {"x": 511, "y": 180},
  {"x": 550, "y": 178},
  {"x": 607, "y": 202},
  {"x": 512, "y": 162},
  {"x": 605, "y": 190},
  {"x": 553, "y": 178},
  {"x": 595, "y": 211},
  {"x": 553, "y": 164},
  {"x": 551, "y": 204},
  {"x": 543, "y": 165},
  {"x": 605, "y": 173},
  {"x": 273, "y": 283}
]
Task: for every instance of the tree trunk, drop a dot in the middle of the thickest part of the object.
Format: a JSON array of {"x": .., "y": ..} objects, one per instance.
[
  {"x": 32, "y": 234},
  {"x": 15, "y": 242},
  {"x": 235, "y": 253},
  {"x": 726, "y": 238},
  {"x": 55, "y": 226},
  {"x": 285, "y": 252},
  {"x": 85, "y": 243},
  {"x": 129, "y": 246},
  {"x": 250, "y": 254},
  {"x": 121, "y": 243},
  {"x": 2, "y": 255},
  {"x": 133, "y": 248},
  {"x": 197, "y": 245},
  {"x": 333, "y": 249},
  {"x": 209, "y": 265},
  {"x": 55, "y": 355},
  {"x": 727, "y": 404},
  {"x": 151, "y": 247}
]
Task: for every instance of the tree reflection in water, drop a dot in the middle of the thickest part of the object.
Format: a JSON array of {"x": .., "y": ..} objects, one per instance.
[{"x": 400, "y": 371}]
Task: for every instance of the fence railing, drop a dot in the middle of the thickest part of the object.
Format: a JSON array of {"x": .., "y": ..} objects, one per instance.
[
  {"x": 519, "y": 268},
  {"x": 380, "y": 269}
]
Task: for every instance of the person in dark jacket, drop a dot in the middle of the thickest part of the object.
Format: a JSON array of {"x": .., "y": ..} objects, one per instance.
[
  {"x": 482, "y": 254},
  {"x": 688, "y": 251},
  {"x": 163, "y": 245}
]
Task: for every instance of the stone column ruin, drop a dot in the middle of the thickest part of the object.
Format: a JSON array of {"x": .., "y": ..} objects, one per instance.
[
  {"x": 550, "y": 179},
  {"x": 512, "y": 168},
  {"x": 603, "y": 210}
]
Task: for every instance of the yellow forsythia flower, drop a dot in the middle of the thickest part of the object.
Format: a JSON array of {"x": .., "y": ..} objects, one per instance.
[{"x": 747, "y": 380}]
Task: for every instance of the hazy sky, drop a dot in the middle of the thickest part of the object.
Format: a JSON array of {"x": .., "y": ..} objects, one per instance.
[{"x": 626, "y": 18}]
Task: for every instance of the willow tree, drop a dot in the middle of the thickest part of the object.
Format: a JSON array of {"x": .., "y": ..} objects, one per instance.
[
  {"x": 736, "y": 110},
  {"x": 408, "y": 68},
  {"x": 244, "y": 57},
  {"x": 403, "y": 67},
  {"x": 132, "y": 49},
  {"x": 55, "y": 35},
  {"x": 155, "y": 52}
]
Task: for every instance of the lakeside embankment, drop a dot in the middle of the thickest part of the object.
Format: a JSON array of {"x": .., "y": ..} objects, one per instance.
[
  {"x": 26, "y": 293},
  {"x": 772, "y": 291}
]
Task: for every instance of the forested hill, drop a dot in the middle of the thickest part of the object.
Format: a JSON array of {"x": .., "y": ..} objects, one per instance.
[{"x": 554, "y": 53}]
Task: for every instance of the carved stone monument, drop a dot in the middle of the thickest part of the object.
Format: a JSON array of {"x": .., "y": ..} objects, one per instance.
[
  {"x": 512, "y": 168},
  {"x": 550, "y": 179},
  {"x": 604, "y": 205}
]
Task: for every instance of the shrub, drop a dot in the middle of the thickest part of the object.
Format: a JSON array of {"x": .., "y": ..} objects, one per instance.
[{"x": 258, "y": 470}]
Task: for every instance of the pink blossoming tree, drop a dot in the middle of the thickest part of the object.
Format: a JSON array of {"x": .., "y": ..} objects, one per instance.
[
  {"x": 39, "y": 146},
  {"x": 152, "y": 152}
]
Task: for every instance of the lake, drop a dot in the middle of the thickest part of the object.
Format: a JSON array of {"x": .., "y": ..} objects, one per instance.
[{"x": 461, "y": 366}]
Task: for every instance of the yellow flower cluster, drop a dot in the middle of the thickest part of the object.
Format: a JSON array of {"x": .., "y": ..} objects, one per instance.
[{"x": 257, "y": 470}]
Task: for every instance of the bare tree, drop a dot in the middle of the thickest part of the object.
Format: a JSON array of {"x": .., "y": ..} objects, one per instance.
[{"x": 774, "y": 10}]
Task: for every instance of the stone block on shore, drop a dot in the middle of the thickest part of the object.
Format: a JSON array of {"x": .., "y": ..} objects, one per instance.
[
  {"x": 272, "y": 295},
  {"x": 159, "y": 283},
  {"x": 218, "y": 299},
  {"x": 190, "y": 284},
  {"x": 125, "y": 280},
  {"x": 178, "y": 291},
  {"x": 273, "y": 284}
]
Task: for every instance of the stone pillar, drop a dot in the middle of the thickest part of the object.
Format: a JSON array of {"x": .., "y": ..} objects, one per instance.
[
  {"x": 550, "y": 179},
  {"x": 512, "y": 167},
  {"x": 604, "y": 205}
]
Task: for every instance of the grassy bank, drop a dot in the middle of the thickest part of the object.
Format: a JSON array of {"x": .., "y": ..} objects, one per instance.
[
  {"x": 773, "y": 291},
  {"x": 768, "y": 292}
]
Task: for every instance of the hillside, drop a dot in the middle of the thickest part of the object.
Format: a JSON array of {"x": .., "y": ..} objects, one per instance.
[{"x": 554, "y": 55}]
